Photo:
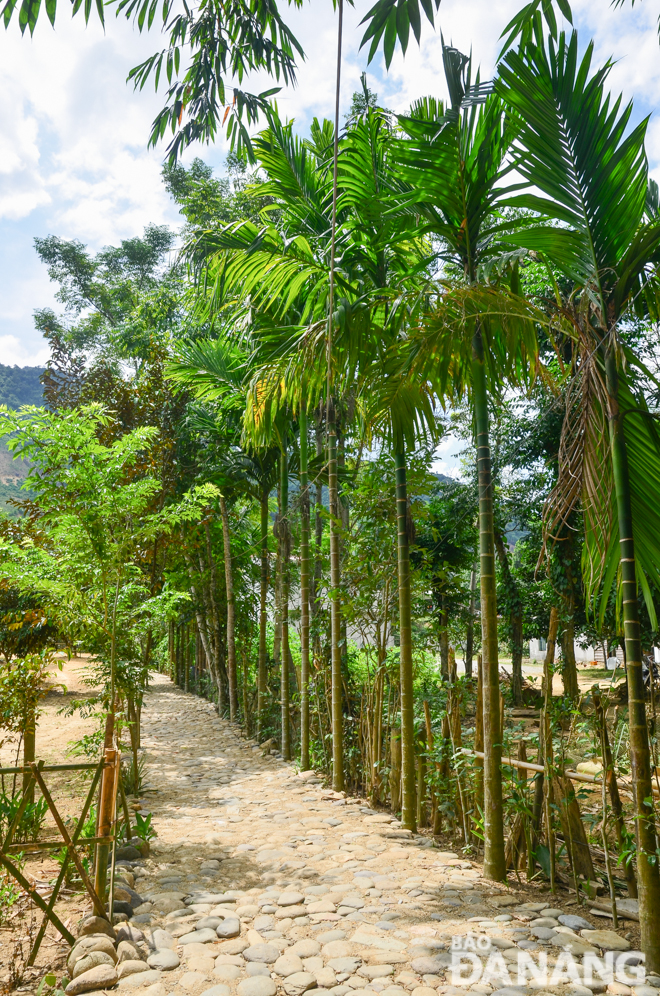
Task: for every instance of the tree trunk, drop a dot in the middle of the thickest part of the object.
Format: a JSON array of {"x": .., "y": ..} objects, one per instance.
[
  {"x": 444, "y": 638},
  {"x": 615, "y": 798},
  {"x": 262, "y": 674},
  {"x": 335, "y": 609},
  {"x": 304, "y": 594},
  {"x": 29, "y": 749},
  {"x": 231, "y": 615},
  {"x": 277, "y": 634},
  {"x": 344, "y": 517},
  {"x": 572, "y": 827},
  {"x": 479, "y": 739},
  {"x": 469, "y": 634},
  {"x": 408, "y": 791},
  {"x": 648, "y": 872},
  {"x": 515, "y": 617},
  {"x": 283, "y": 527},
  {"x": 333, "y": 492},
  {"x": 395, "y": 770},
  {"x": 568, "y": 666},
  {"x": 494, "y": 863}
]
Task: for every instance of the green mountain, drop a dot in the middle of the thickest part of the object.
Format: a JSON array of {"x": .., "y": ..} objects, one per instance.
[
  {"x": 21, "y": 386},
  {"x": 18, "y": 386}
]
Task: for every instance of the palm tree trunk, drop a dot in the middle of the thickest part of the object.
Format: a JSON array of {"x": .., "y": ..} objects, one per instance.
[
  {"x": 408, "y": 788},
  {"x": 333, "y": 494},
  {"x": 304, "y": 594},
  {"x": 284, "y": 665},
  {"x": 318, "y": 538},
  {"x": 231, "y": 615},
  {"x": 515, "y": 616},
  {"x": 494, "y": 860},
  {"x": 648, "y": 873},
  {"x": 444, "y": 637},
  {"x": 29, "y": 749},
  {"x": 263, "y": 616},
  {"x": 469, "y": 633},
  {"x": 335, "y": 610},
  {"x": 568, "y": 666}
]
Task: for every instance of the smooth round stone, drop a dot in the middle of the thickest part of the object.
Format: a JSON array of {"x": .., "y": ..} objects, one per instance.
[
  {"x": 267, "y": 953},
  {"x": 386, "y": 925},
  {"x": 255, "y": 968},
  {"x": 543, "y": 933},
  {"x": 527, "y": 945},
  {"x": 290, "y": 899},
  {"x": 503, "y": 918},
  {"x": 141, "y": 979},
  {"x": 298, "y": 983},
  {"x": 305, "y": 948},
  {"x": 142, "y": 918},
  {"x": 218, "y": 990},
  {"x": 332, "y": 935},
  {"x": 164, "y": 960},
  {"x": 287, "y": 964},
  {"x": 204, "y": 936},
  {"x": 259, "y": 986},
  {"x": 208, "y": 921},
  {"x": 133, "y": 967},
  {"x": 162, "y": 939},
  {"x": 511, "y": 991},
  {"x": 248, "y": 911},
  {"x": 228, "y": 928},
  {"x": 226, "y": 973},
  {"x": 92, "y": 960},
  {"x": 545, "y": 921},
  {"x": 574, "y": 922}
]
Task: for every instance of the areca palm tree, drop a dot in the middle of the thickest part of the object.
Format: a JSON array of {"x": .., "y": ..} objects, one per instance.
[
  {"x": 591, "y": 176},
  {"x": 453, "y": 158},
  {"x": 401, "y": 410}
]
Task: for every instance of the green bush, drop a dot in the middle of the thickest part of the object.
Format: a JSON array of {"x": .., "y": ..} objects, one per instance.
[{"x": 31, "y": 821}]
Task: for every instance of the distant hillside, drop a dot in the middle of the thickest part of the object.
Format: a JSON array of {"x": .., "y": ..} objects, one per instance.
[
  {"x": 18, "y": 386},
  {"x": 21, "y": 386}
]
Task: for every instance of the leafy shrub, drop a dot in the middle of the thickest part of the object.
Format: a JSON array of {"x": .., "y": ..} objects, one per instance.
[
  {"x": 131, "y": 782},
  {"x": 30, "y": 822},
  {"x": 10, "y": 892},
  {"x": 143, "y": 828}
]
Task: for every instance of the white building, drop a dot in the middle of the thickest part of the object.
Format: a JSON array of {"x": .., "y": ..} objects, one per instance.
[{"x": 583, "y": 655}]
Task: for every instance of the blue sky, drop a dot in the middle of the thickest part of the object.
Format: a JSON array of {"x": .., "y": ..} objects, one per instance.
[{"x": 73, "y": 135}]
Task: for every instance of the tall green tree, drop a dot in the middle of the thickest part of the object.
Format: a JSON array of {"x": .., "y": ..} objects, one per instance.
[
  {"x": 590, "y": 173},
  {"x": 453, "y": 159}
]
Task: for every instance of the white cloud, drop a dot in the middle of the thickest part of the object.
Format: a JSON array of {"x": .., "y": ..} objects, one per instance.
[
  {"x": 73, "y": 135},
  {"x": 15, "y": 353}
]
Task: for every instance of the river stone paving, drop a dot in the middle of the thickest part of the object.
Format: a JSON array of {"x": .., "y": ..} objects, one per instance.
[{"x": 263, "y": 882}]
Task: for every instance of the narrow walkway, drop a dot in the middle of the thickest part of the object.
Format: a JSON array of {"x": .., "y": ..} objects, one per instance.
[{"x": 261, "y": 881}]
